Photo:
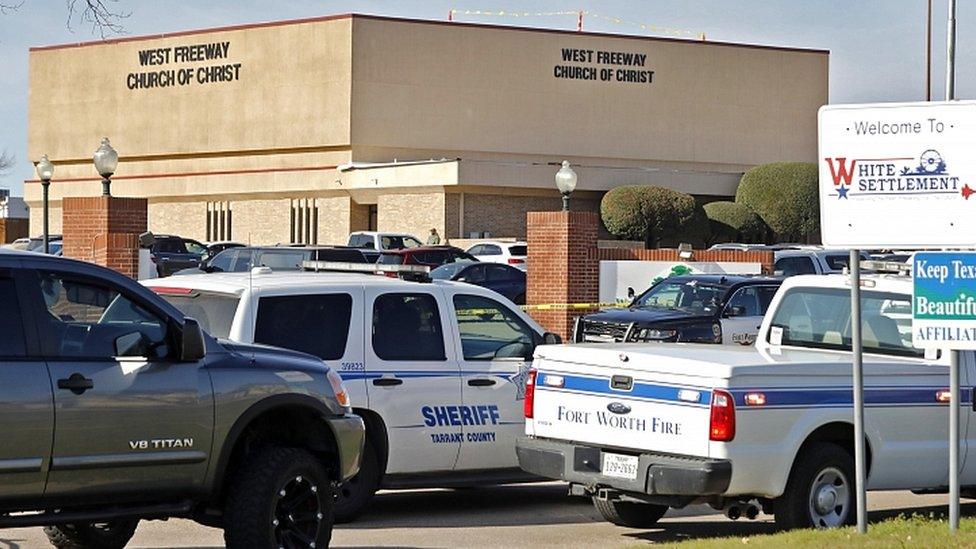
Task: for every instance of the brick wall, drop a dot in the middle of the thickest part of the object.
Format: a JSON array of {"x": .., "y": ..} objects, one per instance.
[
  {"x": 505, "y": 215},
  {"x": 764, "y": 258},
  {"x": 12, "y": 228},
  {"x": 562, "y": 265},
  {"x": 105, "y": 230},
  {"x": 412, "y": 213}
]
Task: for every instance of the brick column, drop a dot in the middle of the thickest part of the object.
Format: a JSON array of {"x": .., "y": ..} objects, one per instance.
[
  {"x": 104, "y": 230},
  {"x": 562, "y": 266}
]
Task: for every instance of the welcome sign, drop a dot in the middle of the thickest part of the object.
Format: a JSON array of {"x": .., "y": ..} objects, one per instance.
[
  {"x": 898, "y": 175},
  {"x": 944, "y": 300}
]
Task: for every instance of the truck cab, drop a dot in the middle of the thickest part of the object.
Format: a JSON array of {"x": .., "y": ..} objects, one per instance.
[{"x": 643, "y": 428}]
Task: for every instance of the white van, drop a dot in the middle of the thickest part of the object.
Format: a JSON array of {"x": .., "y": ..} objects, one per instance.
[{"x": 437, "y": 370}]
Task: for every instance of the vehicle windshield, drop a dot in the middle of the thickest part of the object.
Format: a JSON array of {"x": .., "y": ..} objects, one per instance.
[
  {"x": 821, "y": 318},
  {"x": 518, "y": 250},
  {"x": 449, "y": 270},
  {"x": 689, "y": 296},
  {"x": 214, "y": 311},
  {"x": 398, "y": 242}
]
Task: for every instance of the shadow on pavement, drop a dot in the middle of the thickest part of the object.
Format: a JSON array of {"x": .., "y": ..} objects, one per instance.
[
  {"x": 510, "y": 505},
  {"x": 11, "y": 543}
]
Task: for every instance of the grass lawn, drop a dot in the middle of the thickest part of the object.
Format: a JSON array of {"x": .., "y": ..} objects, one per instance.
[{"x": 913, "y": 531}]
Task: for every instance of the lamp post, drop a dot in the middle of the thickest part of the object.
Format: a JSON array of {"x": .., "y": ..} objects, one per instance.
[
  {"x": 106, "y": 160},
  {"x": 45, "y": 171},
  {"x": 566, "y": 183}
]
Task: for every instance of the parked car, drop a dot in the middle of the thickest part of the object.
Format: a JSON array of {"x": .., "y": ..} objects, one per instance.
[
  {"x": 18, "y": 244},
  {"x": 813, "y": 261},
  {"x": 510, "y": 253},
  {"x": 383, "y": 241},
  {"x": 436, "y": 369},
  {"x": 117, "y": 407},
  {"x": 36, "y": 243},
  {"x": 278, "y": 258},
  {"x": 694, "y": 308},
  {"x": 430, "y": 256},
  {"x": 173, "y": 253},
  {"x": 643, "y": 428},
  {"x": 501, "y": 278}
]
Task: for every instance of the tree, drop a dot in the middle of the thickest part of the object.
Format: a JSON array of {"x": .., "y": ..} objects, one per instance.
[
  {"x": 656, "y": 215},
  {"x": 6, "y": 162},
  {"x": 735, "y": 222},
  {"x": 105, "y": 18},
  {"x": 786, "y": 197}
]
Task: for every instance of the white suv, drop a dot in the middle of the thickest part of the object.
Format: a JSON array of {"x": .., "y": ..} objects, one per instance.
[
  {"x": 510, "y": 253},
  {"x": 437, "y": 370},
  {"x": 371, "y": 240}
]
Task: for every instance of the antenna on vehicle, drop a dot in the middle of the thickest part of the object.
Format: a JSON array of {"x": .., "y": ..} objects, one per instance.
[{"x": 250, "y": 298}]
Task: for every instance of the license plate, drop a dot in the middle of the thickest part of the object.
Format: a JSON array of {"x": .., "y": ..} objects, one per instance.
[{"x": 620, "y": 466}]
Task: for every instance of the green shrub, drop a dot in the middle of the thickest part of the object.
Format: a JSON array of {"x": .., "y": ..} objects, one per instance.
[
  {"x": 658, "y": 216},
  {"x": 735, "y": 222},
  {"x": 785, "y": 195}
]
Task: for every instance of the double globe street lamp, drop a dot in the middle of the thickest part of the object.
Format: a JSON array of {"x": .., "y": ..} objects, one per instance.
[
  {"x": 106, "y": 159},
  {"x": 566, "y": 183}
]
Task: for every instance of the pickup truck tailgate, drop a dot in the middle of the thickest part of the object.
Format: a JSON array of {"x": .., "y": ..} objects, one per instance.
[{"x": 621, "y": 407}]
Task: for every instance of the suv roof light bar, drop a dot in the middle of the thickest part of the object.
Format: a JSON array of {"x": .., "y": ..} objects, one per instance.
[
  {"x": 887, "y": 267},
  {"x": 319, "y": 266}
]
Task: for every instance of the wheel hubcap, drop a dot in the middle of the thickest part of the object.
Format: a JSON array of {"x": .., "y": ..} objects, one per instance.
[
  {"x": 297, "y": 514},
  {"x": 829, "y": 497}
]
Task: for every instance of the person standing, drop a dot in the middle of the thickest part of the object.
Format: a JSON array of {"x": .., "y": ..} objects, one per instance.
[{"x": 434, "y": 239}]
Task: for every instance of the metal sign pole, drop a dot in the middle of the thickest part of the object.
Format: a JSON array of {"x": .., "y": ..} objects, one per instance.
[
  {"x": 858, "y": 374},
  {"x": 954, "y": 354}
]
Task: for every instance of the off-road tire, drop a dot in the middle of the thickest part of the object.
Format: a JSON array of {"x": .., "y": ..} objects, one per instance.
[
  {"x": 354, "y": 495},
  {"x": 793, "y": 508},
  {"x": 102, "y": 535},
  {"x": 253, "y": 495},
  {"x": 629, "y": 513}
]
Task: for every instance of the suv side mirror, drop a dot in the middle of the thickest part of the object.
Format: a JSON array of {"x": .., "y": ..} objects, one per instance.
[
  {"x": 192, "y": 344},
  {"x": 735, "y": 310},
  {"x": 550, "y": 338}
]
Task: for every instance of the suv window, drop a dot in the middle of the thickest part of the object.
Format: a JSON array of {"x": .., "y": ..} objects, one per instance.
[
  {"x": 491, "y": 249},
  {"x": 795, "y": 266},
  {"x": 490, "y": 330},
  {"x": 314, "y": 324},
  {"x": 498, "y": 273},
  {"x": 407, "y": 327},
  {"x": 221, "y": 262},
  {"x": 169, "y": 246},
  {"x": 477, "y": 250},
  {"x": 194, "y": 247},
  {"x": 11, "y": 323},
  {"x": 86, "y": 320},
  {"x": 214, "y": 311},
  {"x": 746, "y": 298},
  {"x": 282, "y": 260},
  {"x": 520, "y": 249},
  {"x": 821, "y": 317}
]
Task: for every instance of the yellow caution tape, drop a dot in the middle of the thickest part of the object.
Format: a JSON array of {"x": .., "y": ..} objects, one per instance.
[{"x": 541, "y": 307}]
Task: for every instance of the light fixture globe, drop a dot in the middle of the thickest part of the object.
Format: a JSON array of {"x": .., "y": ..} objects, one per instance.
[
  {"x": 45, "y": 170},
  {"x": 106, "y": 159},
  {"x": 566, "y": 183}
]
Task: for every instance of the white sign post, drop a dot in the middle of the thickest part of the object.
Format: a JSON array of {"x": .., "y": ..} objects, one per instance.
[{"x": 897, "y": 175}]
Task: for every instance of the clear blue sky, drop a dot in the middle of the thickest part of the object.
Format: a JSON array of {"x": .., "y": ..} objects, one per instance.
[{"x": 877, "y": 46}]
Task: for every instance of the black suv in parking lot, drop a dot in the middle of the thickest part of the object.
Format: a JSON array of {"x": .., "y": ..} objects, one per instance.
[
  {"x": 172, "y": 253},
  {"x": 691, "y": 308}
]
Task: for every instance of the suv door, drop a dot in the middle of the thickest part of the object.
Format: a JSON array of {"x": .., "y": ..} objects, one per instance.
[
  {"x": 128, "y": 413},
  {"x": 414, "y": 380},
  {"x": 744, "y": 313},
  {"x": 26, "y": 406},
  {"x": 495, "y": 347}
]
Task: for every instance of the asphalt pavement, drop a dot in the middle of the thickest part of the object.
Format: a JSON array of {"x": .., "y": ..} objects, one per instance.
[{"x": 532, "y": 515}]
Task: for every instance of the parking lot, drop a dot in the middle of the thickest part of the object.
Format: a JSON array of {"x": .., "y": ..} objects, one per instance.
[{"x": 535, "y": 515}]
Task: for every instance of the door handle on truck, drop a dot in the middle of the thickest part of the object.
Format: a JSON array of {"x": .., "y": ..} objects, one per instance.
[
  {"x": 76, "y": 383},
  {"x": 387, "y": 381},
  {"x": 481, "y": 382}
]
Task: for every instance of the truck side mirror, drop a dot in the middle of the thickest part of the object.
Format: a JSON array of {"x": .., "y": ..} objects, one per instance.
[
  {"x": 192, "y": 343},
  {"x": 735, "y": 310},
  {"x": 630, "y": 292}
]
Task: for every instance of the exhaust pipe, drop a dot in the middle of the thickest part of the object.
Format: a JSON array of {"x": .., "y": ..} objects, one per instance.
[
  {"x": 752, "y": 512},
  {"x": 733, "y": 511}
]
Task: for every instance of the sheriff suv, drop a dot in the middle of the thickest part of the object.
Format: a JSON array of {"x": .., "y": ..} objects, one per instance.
[
  {"x": 437, "y": 370},
  {"x": 692, "y": 309},
  {"x": 116, "y": 407}
]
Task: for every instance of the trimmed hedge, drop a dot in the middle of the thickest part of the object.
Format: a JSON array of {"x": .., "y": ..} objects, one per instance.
[
  {"x": 735, "y": 222},
  {"x": 656, "y": 215},
  {"x": 785, "y": 195}
]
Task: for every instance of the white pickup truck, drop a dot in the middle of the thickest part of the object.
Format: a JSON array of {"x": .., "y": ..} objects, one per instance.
[{"x": 642, "y": 428}]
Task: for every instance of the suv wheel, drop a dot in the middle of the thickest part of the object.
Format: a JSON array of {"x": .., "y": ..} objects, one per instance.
[
  {"x": 630, "y": 514},
  {"x": 820, "y": 490},
  {"x": 281, "y": 498},
  {"x": 354, "y": 494},
  {"x": 98, "y": 535}
]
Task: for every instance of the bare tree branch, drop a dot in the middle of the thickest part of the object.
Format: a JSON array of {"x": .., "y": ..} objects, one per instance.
[
  {"x": 6, "y": 8},
  {"x": 6, "y": 162},
  {"x": 103, "y": 16}
]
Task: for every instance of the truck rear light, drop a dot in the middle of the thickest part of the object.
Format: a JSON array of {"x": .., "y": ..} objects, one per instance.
[
  {"x": 722, "y": 424},
  {"x": 530, "y": 394}
]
